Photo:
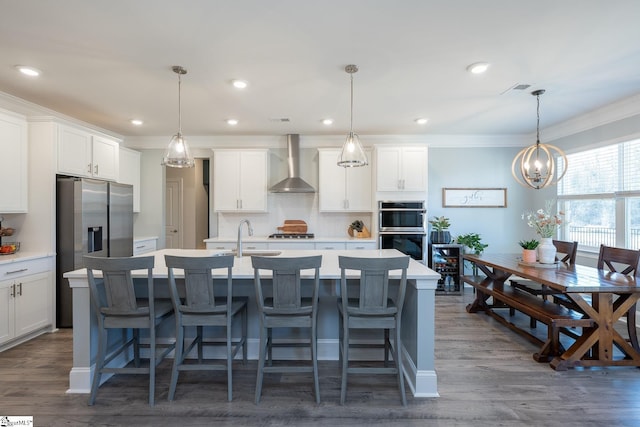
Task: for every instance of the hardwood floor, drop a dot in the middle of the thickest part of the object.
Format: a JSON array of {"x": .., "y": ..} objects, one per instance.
[{"x": 486, "y": 376}]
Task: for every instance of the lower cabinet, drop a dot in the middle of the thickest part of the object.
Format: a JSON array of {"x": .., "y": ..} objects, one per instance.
[
  {"x": 143, "y": 246},
  {"x": 26, "y": 305},
  {"x": 361, "y": 245}
]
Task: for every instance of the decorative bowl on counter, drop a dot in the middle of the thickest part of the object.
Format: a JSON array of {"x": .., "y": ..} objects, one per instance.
[{"x": 9, "y": 248}]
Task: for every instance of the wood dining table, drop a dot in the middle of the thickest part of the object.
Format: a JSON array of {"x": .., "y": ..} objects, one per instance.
[{"x": 602, "y": 296}]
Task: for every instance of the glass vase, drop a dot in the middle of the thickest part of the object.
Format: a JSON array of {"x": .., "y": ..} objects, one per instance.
[{"x": 546, "y": 251}]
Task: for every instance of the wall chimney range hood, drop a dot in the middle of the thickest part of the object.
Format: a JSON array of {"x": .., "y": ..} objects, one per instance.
[{"x": 293, "y": 183}]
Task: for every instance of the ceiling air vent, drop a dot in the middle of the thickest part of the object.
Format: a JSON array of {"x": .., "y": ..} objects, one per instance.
[
  {"x": 517, "y": 86},
  {"x": 280, "y": 119}
]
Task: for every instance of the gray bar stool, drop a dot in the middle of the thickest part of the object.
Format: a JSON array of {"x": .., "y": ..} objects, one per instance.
[
  {"x": 282, "y": 305},
  {"x": 117, "y": 307},
  {"x": 370, "y": 307},
  {"x": 201, "y": 307}
]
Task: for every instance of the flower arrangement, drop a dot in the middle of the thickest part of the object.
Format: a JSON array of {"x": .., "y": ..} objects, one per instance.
[{"x": 544, "y": 222}]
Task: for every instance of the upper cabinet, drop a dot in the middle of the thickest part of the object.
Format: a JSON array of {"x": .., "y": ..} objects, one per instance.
[
  {"x": 401, "y": 168},
  {"x": 343, "y": 189},
  {"x": 129, "y": 173},
  {"x": 240, "y": 180},
  {"x": 13, "y": 146},
  {"x": 81, "y": 153}
]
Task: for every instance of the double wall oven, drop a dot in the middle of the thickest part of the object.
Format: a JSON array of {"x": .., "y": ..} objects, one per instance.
[{"x": 402, "y": 225}]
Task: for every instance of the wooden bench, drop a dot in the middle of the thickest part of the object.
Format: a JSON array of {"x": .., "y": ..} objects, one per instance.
[{"x": 557, "y": 317}]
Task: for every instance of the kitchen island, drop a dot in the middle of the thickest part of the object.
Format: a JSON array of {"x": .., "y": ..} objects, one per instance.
[{"x": 417, "y": 319}]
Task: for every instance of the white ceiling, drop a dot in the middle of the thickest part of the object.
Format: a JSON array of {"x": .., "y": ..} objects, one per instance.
[{"x": 106, "y": 62}]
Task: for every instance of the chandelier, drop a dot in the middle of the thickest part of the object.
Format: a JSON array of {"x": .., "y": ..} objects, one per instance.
[
  {"x": 178, "y": 154},
  {"x": 352, "y": 154},
  {"x": 538, "y": 166}
]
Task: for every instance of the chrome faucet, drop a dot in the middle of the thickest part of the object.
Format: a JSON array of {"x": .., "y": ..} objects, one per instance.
[{"x": 249, "y": 228}]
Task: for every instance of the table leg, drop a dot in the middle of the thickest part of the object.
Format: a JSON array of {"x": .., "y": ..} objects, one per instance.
[{"x": 600, "y": 339}]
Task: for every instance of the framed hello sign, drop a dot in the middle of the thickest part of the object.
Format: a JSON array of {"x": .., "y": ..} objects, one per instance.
[{"x": 474, "y": 197}]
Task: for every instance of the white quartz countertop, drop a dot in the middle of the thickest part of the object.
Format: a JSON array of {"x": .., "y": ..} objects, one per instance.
[
  {"x": 24, "y": 256},
  {"x": 246, "y": 238},
  {"x": 242, "y": 268}
]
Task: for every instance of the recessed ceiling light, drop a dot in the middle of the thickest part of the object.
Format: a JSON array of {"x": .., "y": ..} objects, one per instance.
[
  {"x": 28, "y": 71},
  {"x": 478, "y": 67},
  {"x": 327, "y": 122},
  {"x": 232, "y": 122},
  {"x": 421, "y": 121},
  {"x": 239, "y": 84},
  {"x": 136, "y": 122}
]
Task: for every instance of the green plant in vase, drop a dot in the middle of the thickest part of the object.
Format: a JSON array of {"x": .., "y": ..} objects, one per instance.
[
  {"x": 529, "y": 253},
  {"x": 439, "y": 227},
  {"x": 473, "y": 241}
]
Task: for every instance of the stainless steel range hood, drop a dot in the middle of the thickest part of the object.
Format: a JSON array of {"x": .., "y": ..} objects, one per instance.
[{"x": 293, "y": 183}]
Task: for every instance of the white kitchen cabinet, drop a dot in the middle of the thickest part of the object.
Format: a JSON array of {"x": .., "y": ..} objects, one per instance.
[
  {"x": 342, "y": 189},
  {"x": 330, "y": 246},
  {"x": 143, "y": 246},
  {"x": 14, "y": 146},
  {"x": 240, "y": 180},
  {"x": 401, "y": 168},
  {"x": 289, "y": 245},
  {"x": 26, "y": 299},
  {"x": 361, "y": 245},
  {"x": 129, "y": 173},
  {"x": 81, "y": 153},
  {"x": 229, "y": 245}
]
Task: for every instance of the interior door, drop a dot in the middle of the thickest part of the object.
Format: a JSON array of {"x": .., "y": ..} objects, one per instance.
[{"x": 173, "y": 213}]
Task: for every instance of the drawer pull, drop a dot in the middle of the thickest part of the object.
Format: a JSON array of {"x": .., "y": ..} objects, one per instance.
[
  {"x": 140, "y": 247},
  {"x": 17, "y": 271}
]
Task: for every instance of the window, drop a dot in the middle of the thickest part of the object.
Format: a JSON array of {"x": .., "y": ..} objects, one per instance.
[{"x": 600, "y": 196}]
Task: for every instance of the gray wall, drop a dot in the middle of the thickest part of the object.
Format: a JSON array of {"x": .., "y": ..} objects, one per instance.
[{"x": 481, "y": 167}]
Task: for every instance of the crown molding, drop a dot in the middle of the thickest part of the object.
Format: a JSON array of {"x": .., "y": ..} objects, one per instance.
[{"x": 611, "y": 113}]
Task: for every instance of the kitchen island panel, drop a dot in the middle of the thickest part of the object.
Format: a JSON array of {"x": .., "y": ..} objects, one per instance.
[{"x": 418, "y": 319}]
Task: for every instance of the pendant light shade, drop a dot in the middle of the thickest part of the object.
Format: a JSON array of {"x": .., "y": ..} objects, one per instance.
[
  {"x": 178, "y": 154},
  {"x": 352, "y": 154},
  {"x": 539, "y": 165}
]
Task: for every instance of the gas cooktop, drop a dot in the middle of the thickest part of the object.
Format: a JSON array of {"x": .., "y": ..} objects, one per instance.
[{"x": 292, "y": 236}]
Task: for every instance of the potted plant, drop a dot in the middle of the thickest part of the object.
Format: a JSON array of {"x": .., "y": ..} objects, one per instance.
[
  {"x": 439, "y": 227},
  {"x": 529, "y": 252},
  {"x": 472, "y": 243}
]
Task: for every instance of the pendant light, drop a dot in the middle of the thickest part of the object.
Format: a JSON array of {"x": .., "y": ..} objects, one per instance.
[
  {"x": 178, "y": 154},
  {"x": 537, "y": 166},
  {"x": 352, "y": 154}
]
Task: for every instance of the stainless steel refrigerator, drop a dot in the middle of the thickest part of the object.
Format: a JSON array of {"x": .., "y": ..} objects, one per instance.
[{"x": 93, "y": 218}]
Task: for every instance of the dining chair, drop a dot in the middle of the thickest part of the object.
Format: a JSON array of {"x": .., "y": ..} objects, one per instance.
[
  {"x": 282, "y": 305},
  {"x": 204, "y": 305},
  {"x": 566, "y": 253},
  {"x": 627, "y": 262},
  {"x": 117, "y": 306},
  {"x": 366, "y": 304}
]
